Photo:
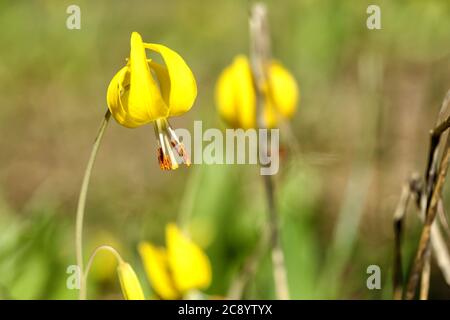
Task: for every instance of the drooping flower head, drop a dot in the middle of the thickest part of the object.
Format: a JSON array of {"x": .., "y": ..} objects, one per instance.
[
  {"x": 129, "y": 282},
  {"x": 236, "y": 96},
  {"x": 146, "y": 91}
]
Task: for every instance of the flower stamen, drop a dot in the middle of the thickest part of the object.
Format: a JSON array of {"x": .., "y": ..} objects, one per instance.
[
  {"x": 179, "y": 147},
  {"x": 168, "y": 143}
]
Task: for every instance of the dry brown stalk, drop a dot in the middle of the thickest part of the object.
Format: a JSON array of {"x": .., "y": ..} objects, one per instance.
[
  {"x": 260, "y": 55},
  {"x": 430, "y": 200}
]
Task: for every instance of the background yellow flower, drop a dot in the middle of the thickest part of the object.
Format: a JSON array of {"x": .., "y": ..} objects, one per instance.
[{"x": 174, "y": 271}]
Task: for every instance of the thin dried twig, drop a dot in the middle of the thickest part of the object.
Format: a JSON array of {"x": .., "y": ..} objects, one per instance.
[
  {"x": 420, "y": 258},
  {"x": 399, "y": 217},
  {"x": 425, "y": 278},
  {"x": 443, "y": 219},
  {"x": 260, "y": 55},
  {"x": 428, "y": 200},
  {"x": 442, "y": 124},
  {"x": 440, "y": 251},
  {"x": 412, "y": 189}
]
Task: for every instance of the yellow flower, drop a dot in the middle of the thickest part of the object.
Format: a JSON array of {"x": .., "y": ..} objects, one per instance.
[
  {"x": 174, "y": 271},
  {"x": 131, "y": 288},
  {"x": 236, "y": 97},
  {"x": 145, "y": 91}
]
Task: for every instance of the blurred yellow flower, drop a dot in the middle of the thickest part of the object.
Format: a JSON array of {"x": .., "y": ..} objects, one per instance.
[
  {"x": 145, "y": 91},
  {"x": 236, "y": 97},
  {"x": 131, "y": 288},
  {"x": 174, "y": 271}
]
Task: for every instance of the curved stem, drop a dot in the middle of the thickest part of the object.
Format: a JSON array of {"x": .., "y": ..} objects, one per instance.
[
  {"x": 89, "y": 264},
  {"x": 82, "y": 201}
]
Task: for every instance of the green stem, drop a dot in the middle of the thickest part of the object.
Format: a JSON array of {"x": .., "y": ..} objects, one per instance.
[
  {"x": 82, "y": 203},
  {"x": 91, "y": 260}
]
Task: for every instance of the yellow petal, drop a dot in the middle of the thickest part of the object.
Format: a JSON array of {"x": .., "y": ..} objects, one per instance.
[
  {"x": 157, "y": 269},
  {"x": 145, "y": 102},
  {"x": 245, "y": 92},
  {"x": 117, "y": 99},
  {"x": 226, "y": 97},
  {"x": 190, "y": 266},
  {"x": 283, "y": 89},
  {"x": 115, "y": 92},
  {"x": 178, "y": 83},
  {"x": 131, "y": 288},
  {"x": 164, "y": 79},
  {"x": 270, "y": 115}
]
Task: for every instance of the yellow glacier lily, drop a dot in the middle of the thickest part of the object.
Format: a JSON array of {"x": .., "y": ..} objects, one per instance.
[
  {"x": 236, "y": 97},
  {"x": 179, "y": 268},
  {"x": 145, "y": 91},
  {"x": 129, "y": 282}
]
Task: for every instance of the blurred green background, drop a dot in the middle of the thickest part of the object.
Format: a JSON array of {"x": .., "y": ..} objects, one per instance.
[{"x": 368, "y": 101}]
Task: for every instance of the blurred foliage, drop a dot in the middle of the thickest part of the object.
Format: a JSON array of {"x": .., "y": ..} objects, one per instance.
[{"x": 368, "y": 101}]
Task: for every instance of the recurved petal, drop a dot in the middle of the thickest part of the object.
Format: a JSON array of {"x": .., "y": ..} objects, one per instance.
[
  {"x": 157, "y": 270},
  {"x": 163, "y": 78},
  {"x": 283, "y": 89},
  {"x": 131, "y": 288},
  {"x": 245, "y": 92},
  {"x": 190, "y": 266},
  {"x": 226, "y": 97},
  {"x": 114, "y": 94},
  {"x": 117, "y": 99},
  {"x": 145, "y": 102},
  {"x": 178, "y": 83}
]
